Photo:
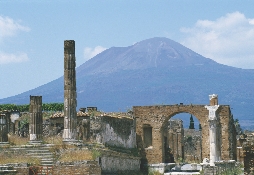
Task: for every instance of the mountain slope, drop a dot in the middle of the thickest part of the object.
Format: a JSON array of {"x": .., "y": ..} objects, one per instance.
[
  {"x": 151, "y": 53},
  {"x": 153, "y": 71}
]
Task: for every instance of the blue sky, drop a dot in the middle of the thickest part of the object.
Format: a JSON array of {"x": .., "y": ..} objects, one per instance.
[{"x": 32, "y": 33}]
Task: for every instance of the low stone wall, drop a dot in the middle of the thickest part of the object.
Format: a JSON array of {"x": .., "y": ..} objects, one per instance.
[
  {"x": 220, "y": 167},
  {"x": 82, "y": 167},
  {"x": 161, "y": 167},
  {"x": 15, "y": 168},
  {"x": 113, "y": 162}
]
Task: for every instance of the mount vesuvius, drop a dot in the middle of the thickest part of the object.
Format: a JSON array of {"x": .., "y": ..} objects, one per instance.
[{"x": 152, "y": 72}]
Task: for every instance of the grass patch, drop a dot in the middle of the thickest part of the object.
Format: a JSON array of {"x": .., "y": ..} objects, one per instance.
[
  {"x": 16, "y": 140},
  {"x": 17, "y": 157},
  {"x": 75, "y": 155},
  {"x": 57, "y": 140}
]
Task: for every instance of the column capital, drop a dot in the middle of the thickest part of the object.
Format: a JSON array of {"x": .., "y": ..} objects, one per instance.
[{"x": 212, "y": 111}]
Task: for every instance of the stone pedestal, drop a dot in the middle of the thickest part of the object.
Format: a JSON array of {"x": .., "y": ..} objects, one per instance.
[
  {"x": 35, "y": 125},
  {"x": 70, "y": 103}
]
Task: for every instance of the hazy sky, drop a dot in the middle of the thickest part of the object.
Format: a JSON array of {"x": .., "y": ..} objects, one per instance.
[{"x": 32, "y": 33}]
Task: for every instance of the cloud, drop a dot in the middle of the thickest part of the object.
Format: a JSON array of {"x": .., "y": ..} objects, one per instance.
[
  {"x": 6, "y": 58},
  {"x": 91, "y": 52},
  {"x": 228, "y": 40},
  {"x": 9, "y": 27}
]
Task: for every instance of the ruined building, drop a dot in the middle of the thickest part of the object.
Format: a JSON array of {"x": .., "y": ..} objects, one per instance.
[
  {"x": 212, "y": 118},
  {"x": 173, "y": 141}
]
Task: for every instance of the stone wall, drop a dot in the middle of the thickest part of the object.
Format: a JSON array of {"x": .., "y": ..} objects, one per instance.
[
  {"x": 192, "y": 145},
  {"x": 82, "y": 167},
  {"x": 174, "y": 136},
  {"x": 14, "y": 168},
  {"x": 113, "y": 162},
  {"x": 248, "y": 152},
  {"x": 157, "y": 117},
  {"x": 113, "y": 131}
]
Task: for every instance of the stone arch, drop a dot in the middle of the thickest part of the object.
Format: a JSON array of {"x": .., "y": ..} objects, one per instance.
[{"x": 157, "y": 116}]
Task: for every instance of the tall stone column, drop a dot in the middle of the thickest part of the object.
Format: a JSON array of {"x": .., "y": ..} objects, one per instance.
[
  {"x": 212, "y": 119},
  {"x": 35, "y": 125},
  {"x": 70, "y": 102}
]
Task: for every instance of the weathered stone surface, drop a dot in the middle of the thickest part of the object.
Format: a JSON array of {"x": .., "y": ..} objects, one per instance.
[
  {"x": 174, "y": 137},
  {"x": 192, "y": 145},
  {"x": 70, "y": 102},
  {"x": 85, "y": 167},
  {"x": 114, "y": 162},
  {"x": 35, "y": 124},
  {"x": 158, "y": 116},
  {"x": 3, "y": 128},
  {"x": 113, "y": 131}
]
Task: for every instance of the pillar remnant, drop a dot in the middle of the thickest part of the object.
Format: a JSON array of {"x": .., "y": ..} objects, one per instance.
[
  {"x": 3, "y": 129},
  {"x": 35, "y": 125},
  {"x": 213, "y": 124},
  {"x": 70, "y": 102}
]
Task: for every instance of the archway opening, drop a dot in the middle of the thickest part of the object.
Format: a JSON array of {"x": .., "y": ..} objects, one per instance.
[{"x": 182, "y": 139}]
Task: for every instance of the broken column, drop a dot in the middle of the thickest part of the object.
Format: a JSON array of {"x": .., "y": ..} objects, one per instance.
[
  {"x": 3, "y": 129},
  {"x": 35, "y": 125},
  {"x": 70, "y": 102},
  {"x": 212, "y": 119}
]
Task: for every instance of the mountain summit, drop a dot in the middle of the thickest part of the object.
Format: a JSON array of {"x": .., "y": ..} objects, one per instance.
[
  {"x": 151, "y": 53},
  {"x": 152, "y": 72}
]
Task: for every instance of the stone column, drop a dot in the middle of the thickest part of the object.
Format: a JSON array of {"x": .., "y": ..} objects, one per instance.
[
  {"x": 70, "y": 103},
  {"x": 3, "y": 129},
  {"x": 35, "y": 125},
  {"x": 213, "y": 128}
]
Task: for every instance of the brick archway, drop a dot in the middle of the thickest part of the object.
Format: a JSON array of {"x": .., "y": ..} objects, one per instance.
[{"x": 157, "y": 116}]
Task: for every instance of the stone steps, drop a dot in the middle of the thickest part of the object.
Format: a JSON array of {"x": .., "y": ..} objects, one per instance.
[
  {"x": 43, "y": 154},
  {"x": 7, "y": 170}
]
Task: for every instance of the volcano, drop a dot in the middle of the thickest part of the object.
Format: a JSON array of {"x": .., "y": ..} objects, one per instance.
[{"x": 155, "y": 71}]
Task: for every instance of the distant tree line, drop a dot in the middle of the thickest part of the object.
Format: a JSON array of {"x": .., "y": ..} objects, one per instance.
[{"x": 25, "y": 108}]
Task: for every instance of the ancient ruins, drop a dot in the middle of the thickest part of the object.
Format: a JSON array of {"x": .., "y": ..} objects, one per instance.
[
  {"x": 35, "y": 125},
  {"x": 160, "y": 143},
  {"x": 70, "y": 102}
]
